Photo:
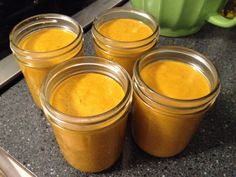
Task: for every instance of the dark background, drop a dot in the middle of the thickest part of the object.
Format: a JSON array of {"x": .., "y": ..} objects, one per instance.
[{"x": 14, "y": 11}]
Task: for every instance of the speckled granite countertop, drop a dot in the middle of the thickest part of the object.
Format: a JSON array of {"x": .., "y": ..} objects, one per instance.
[{"x": 27, "y": 135}]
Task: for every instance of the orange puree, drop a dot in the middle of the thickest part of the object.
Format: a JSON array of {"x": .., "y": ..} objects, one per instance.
[
  {"x": 47, "y": 47},
  {"x": 126, "y": 44},
  {"x": 125, "y": 30},
  {"x": 175, "y": 80},
  {"x": 164, "y": 131},
  {"x": 89, "y": 94},
  {"x": 46, "y": 40}
]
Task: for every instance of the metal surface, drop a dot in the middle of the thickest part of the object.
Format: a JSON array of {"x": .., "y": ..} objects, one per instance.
[
  {"x": 9, "y": 69},
  {"x": 10, "y": 167},
  {"x": 86, "y": 16}
]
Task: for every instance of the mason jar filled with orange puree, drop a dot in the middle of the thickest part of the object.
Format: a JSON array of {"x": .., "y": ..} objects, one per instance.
[
  {"x": 87, "y": 101},
  {"x": 41, "y": 42},
  {"x": 123, "y": 35},
  {"x": 173, "y": 88}
]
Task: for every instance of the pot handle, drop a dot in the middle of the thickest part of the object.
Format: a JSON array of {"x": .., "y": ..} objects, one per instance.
[{"x": 218, "y": 20}]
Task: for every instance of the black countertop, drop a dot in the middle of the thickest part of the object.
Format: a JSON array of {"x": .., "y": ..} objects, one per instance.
[{"x": 27, "y": 135}]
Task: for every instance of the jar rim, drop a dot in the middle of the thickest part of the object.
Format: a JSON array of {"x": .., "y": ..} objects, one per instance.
[
  {"x": 47, "y": 16},
  {"x": 175, "y": 49},
  {"x": 154, "y": 42},
  {"x": 156, "y": 30},
  {"x": 80, "y": 62}
]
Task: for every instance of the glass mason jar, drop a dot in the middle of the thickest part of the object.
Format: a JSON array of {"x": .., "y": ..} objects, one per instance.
[
  {"x": 123, "y": 52},
  {"x": 163, "y": 126},
  {"x": 35, "y": 65},
  {"x": 92, "y": 143}
]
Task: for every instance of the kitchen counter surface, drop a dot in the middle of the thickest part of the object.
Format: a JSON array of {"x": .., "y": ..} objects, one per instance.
[{"x": 26, "y": 134}]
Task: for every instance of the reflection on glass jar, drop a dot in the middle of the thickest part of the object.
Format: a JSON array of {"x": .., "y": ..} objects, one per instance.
[
  {"x": 173, "y": 88},
  {"x": 123, "y": 35},
  {"x": 87, "y": 101},
  {"x": 41, "y": 42}
]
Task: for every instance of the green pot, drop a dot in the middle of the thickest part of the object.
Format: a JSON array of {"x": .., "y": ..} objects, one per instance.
[{"x": 184, "y": 17}]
